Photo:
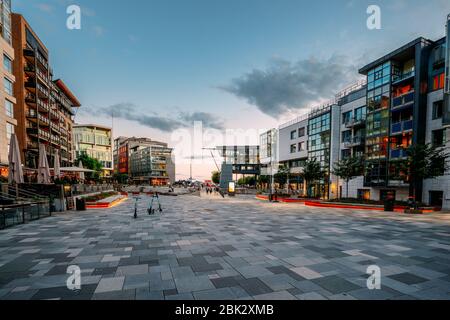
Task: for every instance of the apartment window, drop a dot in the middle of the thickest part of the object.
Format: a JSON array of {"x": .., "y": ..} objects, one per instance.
[
  {"x": 439, "y": 81},
  {"x": 346, "y": 117},
  {"x": 438, "y": 137},
  {"x": 7, "y": 63},
  {"x": 301, "y": 132},
  {"x": 293, "y": 148},
  {"x": 8, "y": 86},
  {"x": 9, "y": 132},
  {"x": 301, "y": 146},
  {"x": 438, "y": 108},
  {"x": 346, "y": 136},
  {"x": 360, "y": 113},
  {"x": 9, "y": 108},
  {"x": 293, "y": 135}
]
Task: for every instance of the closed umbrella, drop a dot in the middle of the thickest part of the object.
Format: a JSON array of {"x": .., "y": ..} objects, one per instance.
[
  {"x": 57, "y": 168},
  {"x": 80, "y": 165},
  {"x": 15, "y": 174},
  {"x": 44, "y": 168}
]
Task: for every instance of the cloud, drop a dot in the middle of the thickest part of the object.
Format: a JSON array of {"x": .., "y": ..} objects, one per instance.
[
  {"x": 131, "y": 112},
  {"x": 285, "y": 86},
  {"x": 209, "y": 120}
]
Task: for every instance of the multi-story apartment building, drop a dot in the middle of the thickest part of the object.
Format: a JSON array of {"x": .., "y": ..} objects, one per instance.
[
  {"x": 124, "y": 147},
  {"x": 44, "y": 109},
  {"x": 95, "y": 141},
  {"x": 153, "y": 165},
  {"x": 352, "y": 102},
  {"x": 401, "y": 103},
  {"x": 7, "y": 99},
  {"x": 312, "y": 136}
]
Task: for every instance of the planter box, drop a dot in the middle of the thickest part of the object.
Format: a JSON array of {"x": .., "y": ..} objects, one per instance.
[{"x": 106, "y": 203}]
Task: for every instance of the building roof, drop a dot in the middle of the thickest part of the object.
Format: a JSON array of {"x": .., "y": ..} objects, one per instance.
[
  {"x": 364, "y": 70},
  {"x": 61, "y": 85},
  {"x": 78, "y": 125}
]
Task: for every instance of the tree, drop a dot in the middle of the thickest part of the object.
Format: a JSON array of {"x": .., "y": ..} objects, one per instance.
[
  {"x": 215, "y": 177},
  {"x": 91, "y": 164},
  {"x": 282, "y": 176},
  {"x": 312, "y": 172},
  {"x": 348, "y": 169},
  {"x": 424, "y": 161},
  {"x": 120, "y": 178}
]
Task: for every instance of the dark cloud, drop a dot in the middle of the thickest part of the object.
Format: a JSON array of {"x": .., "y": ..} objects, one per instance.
[
  {"x": 129, "y": 111},
  {"x": 285, "y": 86},
  {"x": 209, "y": 120}
]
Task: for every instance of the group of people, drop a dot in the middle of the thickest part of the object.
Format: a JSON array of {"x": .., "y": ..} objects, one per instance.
[{"x": 211, "y": 190}]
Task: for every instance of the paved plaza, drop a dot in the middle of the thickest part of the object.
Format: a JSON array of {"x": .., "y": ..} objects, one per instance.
[{"x": 213, "y": 248}]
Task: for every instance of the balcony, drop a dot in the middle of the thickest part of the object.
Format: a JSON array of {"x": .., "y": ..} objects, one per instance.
[
  {"x": 54, "y": 127},
  {"x": 29, "y": 69},
  {"x": 32, "y": 146},
  {"x": 27, "y": 52},
  {"x": 401, "y": 127},
  {"x": 396, "y": 79},
  {"x": 30, "y": 84},
  {"x": 355, "y": 142},
  {"x": 43, "y": 106},
  {"x": 403, "y": 100},
  {"x": 399, "y": 154},
  {"x": 356, "y": 122}
]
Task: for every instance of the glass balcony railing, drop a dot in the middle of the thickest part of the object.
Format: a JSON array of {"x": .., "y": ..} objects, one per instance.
[
  {"x": 400, "y": 127},
  {"x": 404, "y": 76},
  {"x": 404, "y": 99},
  {"x": 399, "y": 154}
]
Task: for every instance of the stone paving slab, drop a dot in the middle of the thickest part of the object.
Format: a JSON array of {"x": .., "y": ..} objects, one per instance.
[{"x": 213, "y": 248}]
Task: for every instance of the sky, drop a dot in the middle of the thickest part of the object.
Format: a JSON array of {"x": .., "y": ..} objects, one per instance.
[{"x": 154, "y": 68}]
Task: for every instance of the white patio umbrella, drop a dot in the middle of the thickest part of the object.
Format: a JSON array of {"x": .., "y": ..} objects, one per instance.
[
  {"x": 43, "y": 168},
  {"x": 15, "y": 171},
  {"x": 80, "y": 165},
  {"x": 57, "y": 167}
]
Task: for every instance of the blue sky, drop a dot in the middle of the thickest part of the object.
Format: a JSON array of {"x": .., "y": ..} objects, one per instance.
[{"x": 233, "y": 64}]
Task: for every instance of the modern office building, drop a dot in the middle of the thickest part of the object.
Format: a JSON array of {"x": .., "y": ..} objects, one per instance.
[
  {"x": 7, "y": 99},
  {"x": 312, "y": 136},
  {"x": 269, "y": 152},
  {"x": 238, "y": 160},
  {"x": 140, "y": 167},
  {"x": 153, "y": 165},
  {"x": 44, "y": 108},
  {"x": 96, "y": 142}
]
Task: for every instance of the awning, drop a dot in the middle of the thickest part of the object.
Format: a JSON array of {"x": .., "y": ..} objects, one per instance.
[{"x": 75, "y": 169}]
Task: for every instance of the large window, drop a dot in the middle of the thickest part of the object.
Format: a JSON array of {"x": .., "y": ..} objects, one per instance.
[
  {"x": 438, "y": 138},
  {"x": 301, "y": 146},
  {"x": 360, "y": 113},
  {"x": 346, "y": 117},
  {"x": 379, "y": 76},
  {"x": 9, "y": 132},
  {"x": 293, "y": 134},
  {"x": 8, "y": 86},
  {"x": 9, "y": 108},
  {"x": 347, "y": 136},
  {"x": 7, "y": 63},
  {"x": 439, "y": 81},
  {"x": 301, "y": 132},
  {"x": 438, "y": 108},
  {"x": 293, "y": 148}
]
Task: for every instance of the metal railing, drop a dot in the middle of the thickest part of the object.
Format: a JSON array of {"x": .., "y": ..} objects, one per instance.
[{"x": 11, "y": 215}]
